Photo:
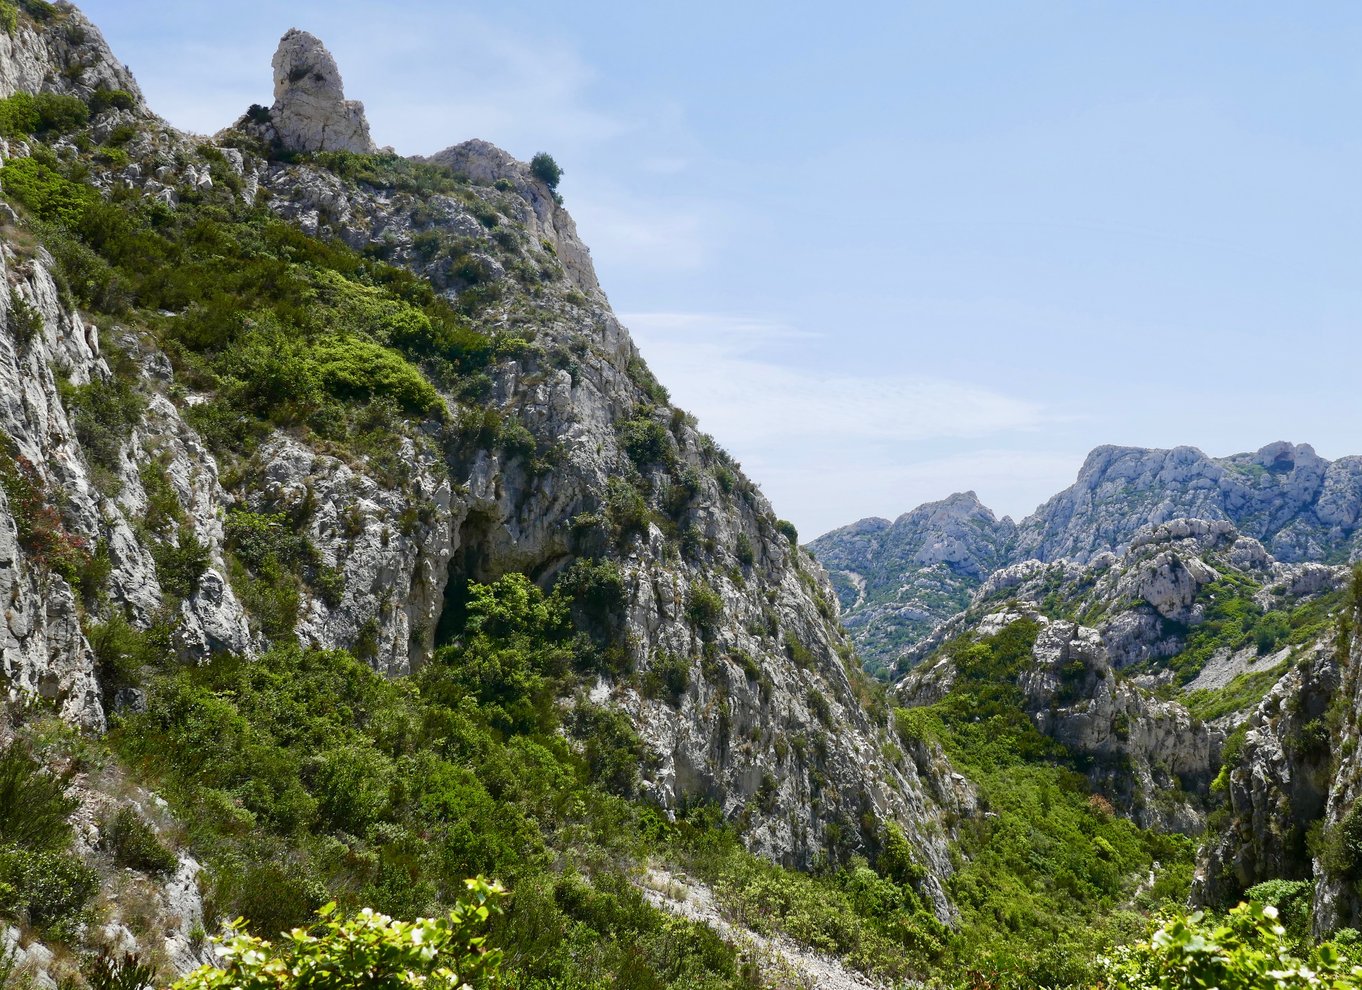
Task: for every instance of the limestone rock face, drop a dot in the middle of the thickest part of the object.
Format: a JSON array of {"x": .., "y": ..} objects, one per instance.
[
  {"x": 1276, "y": 788},
  {"x": 896, "y": 581},
  {"x": 1150, "y": 758},
  {"x": 1283, "y": 501},
  {"x": 1299, "y": 505},
  {"x": 310, "y": 111},
  {"x": 61, "y": 54}
]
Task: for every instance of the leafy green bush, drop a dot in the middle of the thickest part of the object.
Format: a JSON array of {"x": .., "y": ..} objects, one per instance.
[
  {"x": 366, "y": 949},
  {"x": 668, "y": 677},
  {"x": 356, "y": 368},
  {"x": 646, "y": 441},
  {"x": 24, "y": 114},
  {"x": 104, "y": 412},
  {"x": 179, "y": 566},
  {"x": 34, "y": 807},
  {"x": 614, "y": 752},
  {"x": 704, "y": 609},
  {"x": 1248, "y": 950},
  {"x": 545, "y": 169},
  {"x": 625, "y": 507},
  {"x": 135, "y": 844},
  {"x": 787, "y": 529},
  {"x": 595, "y": 587},
  {"x": 742, "y": 549},
  {"x": 50, "y": 196},
  {"x": 48, "y": 890},
  {"x": 23, "y": 319},
  {"x": 110, "y": 99}
]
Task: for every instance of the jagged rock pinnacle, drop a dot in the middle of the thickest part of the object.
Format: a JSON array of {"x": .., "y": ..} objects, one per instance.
[{"x": 310, "y": 111}]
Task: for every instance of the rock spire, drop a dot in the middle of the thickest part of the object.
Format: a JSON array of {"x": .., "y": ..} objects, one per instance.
[{"x": 310, "y": 111}]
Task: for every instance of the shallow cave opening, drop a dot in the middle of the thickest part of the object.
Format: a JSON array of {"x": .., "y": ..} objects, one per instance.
[{"x": 471, "y": 561}]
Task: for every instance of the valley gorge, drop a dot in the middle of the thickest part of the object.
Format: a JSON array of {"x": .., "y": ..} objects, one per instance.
[{"x": 350, "y": 550}]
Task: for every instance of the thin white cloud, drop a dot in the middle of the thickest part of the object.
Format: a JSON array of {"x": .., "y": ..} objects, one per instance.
[
  {"x": 643, "y": 233},
  {"x": 831, "y": 447},
  {"x": 722, "y": 368}
]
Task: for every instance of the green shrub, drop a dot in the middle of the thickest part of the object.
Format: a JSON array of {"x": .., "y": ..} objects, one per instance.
[
  {"x": 135, "y": 844},
  {"x": 353, "y": 368},
  {"x": 34, "y": 807},
  {"x": 259, "y": 539},
  {"x": 742, "y": 549},
  {"x": 23, "y": 320},
  {"x": 1294, "y": 901},
  {"x": 110, "y": 99},
  {"x": 179, "y": 566},
  {"x": 48, "y": 195},
  {"x": 108, "y": 971},
  {"x": 668, "y": 677},
  {"x": 104, "y": 413},
  {"x": 545, "y": 169},
  {"x": 646, "y": 441},
  {"x": 49, "y": 889},
  {"x": 704, "y": 609},
  {"x": 818, "y": 704},
  {"x": 23, "y": 114},
  {"x": 625, "y": 507},
  {"x": 366, "y": 949},
  {"x": 613, "y": 749},
  {"x": 787, "y": 529},
  {"x": 42, "y": 534},
  {"x": 274, "y": 897},
  {"x": 1248, "y": 950},
  {"x": 596, "y": 588}
]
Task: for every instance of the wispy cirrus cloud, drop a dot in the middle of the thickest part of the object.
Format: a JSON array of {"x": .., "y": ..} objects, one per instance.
[
  {"x": 728, "y": 370},
  {"x": 829, "y": 447}
]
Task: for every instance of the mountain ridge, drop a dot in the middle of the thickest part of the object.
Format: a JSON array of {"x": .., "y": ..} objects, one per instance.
[{"x": 1302, "y": 507}]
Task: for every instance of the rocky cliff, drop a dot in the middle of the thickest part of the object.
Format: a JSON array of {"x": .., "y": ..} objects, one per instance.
[
  {"x": 1291, "y": 787},
  {"x": 896, "y": 581},
  {"x": 136, "y": 492},
  {"x": 1148, "y": 659}
]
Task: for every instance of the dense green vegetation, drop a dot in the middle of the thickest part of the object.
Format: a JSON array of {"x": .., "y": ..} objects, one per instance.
[
  {"x": 1234, "y": 621},
  {"x": 42, "y": 882},
  {"x": 1048, "y": 876},
  {"x": 280, "y": 328},
  {"x": 304, "y": 779},
  {"x": 1252, "y": 947},
  {"x": 367, "y": 950}
]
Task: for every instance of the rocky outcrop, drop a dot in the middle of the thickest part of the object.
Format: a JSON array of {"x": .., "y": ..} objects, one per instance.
[
  {"x": 59, "y": 50},
  {"x": 1146, "y": 602},
  {"x": 1150, "y": 758},
  {"x": 310, "y": 111},
  {"x": 897, "y": 581},
  {"x": 1274, "y": 787},
  {"x": 1297, "y": 506}
]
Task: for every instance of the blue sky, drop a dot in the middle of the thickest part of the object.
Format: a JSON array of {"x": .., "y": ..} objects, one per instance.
[{"x": 888, "y": 251}]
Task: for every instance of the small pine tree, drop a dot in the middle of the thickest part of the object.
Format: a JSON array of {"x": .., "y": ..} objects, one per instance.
[{"x": 545, "y": 169}]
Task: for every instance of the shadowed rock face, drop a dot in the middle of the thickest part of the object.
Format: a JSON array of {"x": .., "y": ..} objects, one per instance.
[{"x": 310, "y": 111}]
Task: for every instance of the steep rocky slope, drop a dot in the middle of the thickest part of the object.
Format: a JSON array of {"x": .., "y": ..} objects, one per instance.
[
  {"x": 1291, "y": 788},
  {"x": 895, "y": 581},
  {"x": 1193, "y": 624},
  {"x": 174, "y": 488}
]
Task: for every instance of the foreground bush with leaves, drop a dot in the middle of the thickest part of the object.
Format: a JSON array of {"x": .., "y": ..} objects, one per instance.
[
  {"x": 1249, "y": 950},
  {"x": 366, "y": 949}
]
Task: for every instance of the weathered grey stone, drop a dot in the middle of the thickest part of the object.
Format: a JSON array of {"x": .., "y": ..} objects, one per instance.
[{"x": 310, "y": 111}]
